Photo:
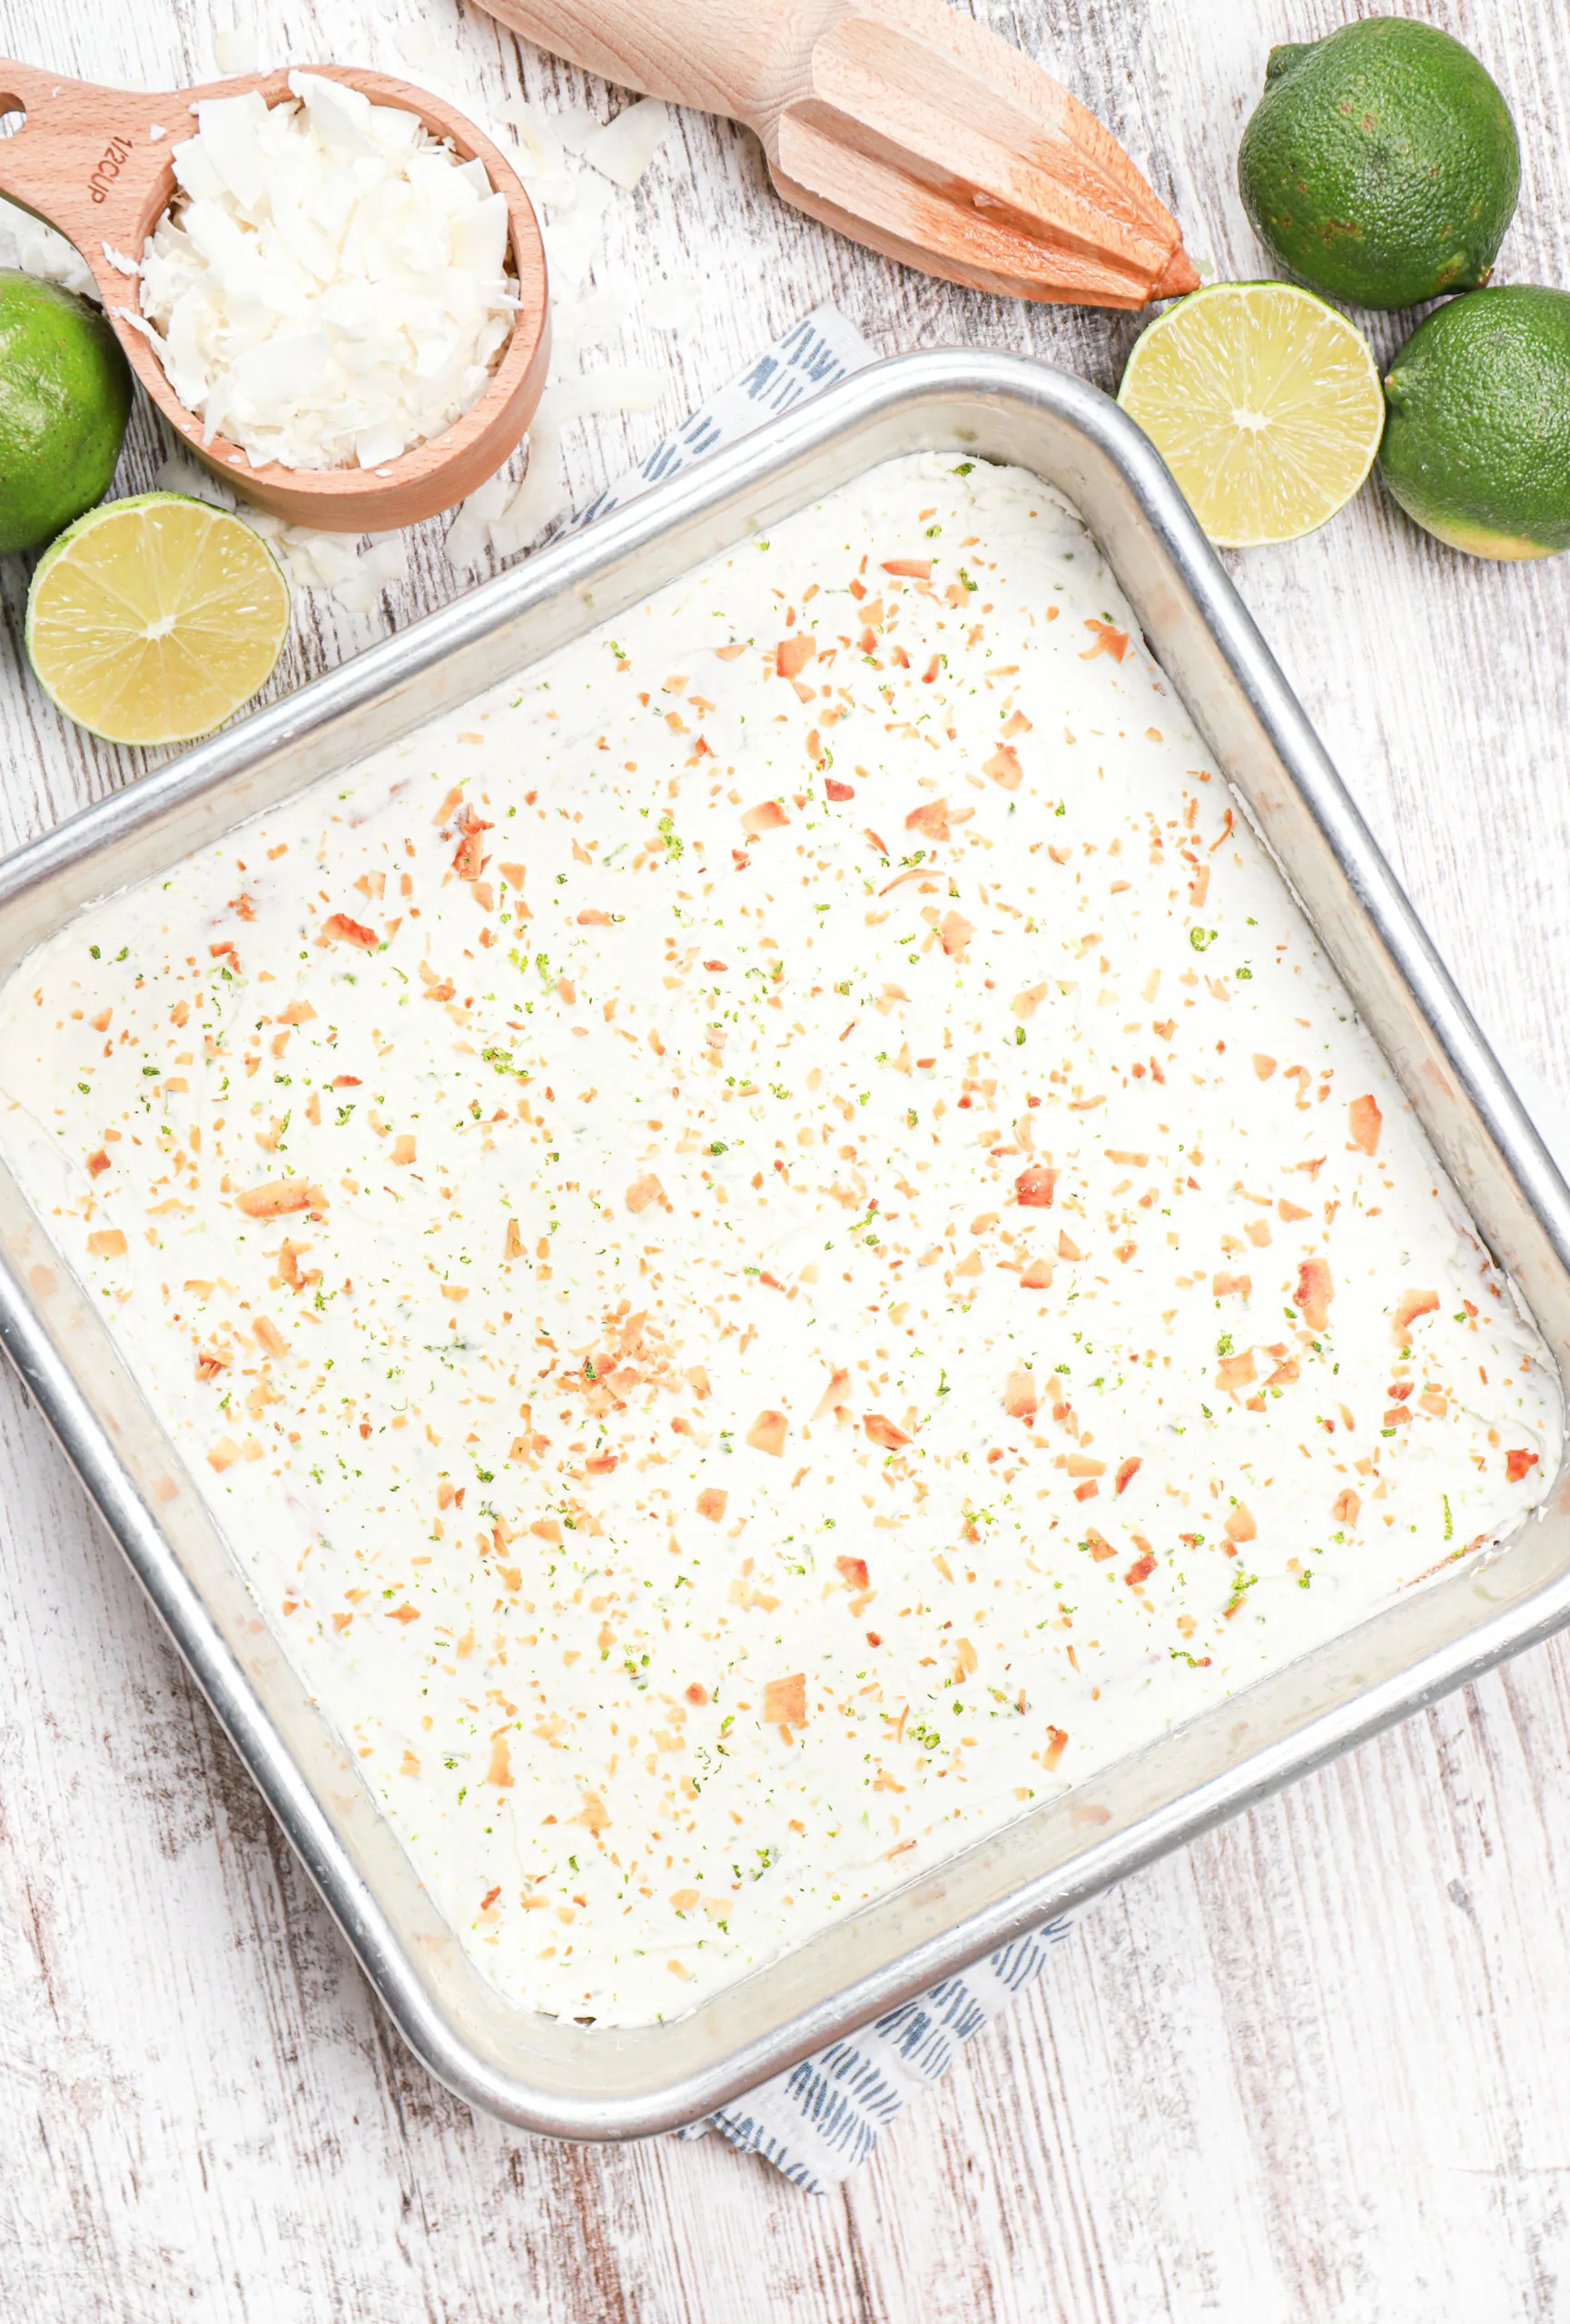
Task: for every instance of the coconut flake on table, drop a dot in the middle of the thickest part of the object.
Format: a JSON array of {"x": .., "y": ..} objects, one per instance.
[
  {"x": 539, "y": 157},
  {"x": 33, "y": 247},
  {"x": 623, "y": 150},
  {"x": 577, "y": 129},
  {"x": 504, "y": 516},
  {"x": 539, "y": 499},
  {"x": 234, "y": 52},
  {"x": 573, "y": 228},
  {"x": 669, "y": 304},
  {"x": 333, "y": 289},
  {"x": 489, "y": 518}
]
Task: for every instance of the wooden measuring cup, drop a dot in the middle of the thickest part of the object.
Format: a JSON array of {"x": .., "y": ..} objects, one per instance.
[{"x": 97, "y": 163}]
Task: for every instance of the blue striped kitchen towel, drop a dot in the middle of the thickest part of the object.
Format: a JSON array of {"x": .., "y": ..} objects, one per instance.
[
  {"x": 823, "y": 2119},
  {"x": 822, "y": 348}
]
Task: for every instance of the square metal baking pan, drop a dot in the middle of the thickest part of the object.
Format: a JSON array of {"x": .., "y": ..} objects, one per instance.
[{"x": 586, "y": 2081}]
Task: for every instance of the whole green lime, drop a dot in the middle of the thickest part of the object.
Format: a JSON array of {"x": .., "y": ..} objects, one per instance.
[
  {"x": 64, "y": 399},
  {"x": 1381, "y": 164},
  {"x": 1476, "y": 442}
]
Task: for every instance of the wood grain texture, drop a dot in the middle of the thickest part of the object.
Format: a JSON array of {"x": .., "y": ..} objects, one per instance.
[{"x": 1309, "y": 2072}]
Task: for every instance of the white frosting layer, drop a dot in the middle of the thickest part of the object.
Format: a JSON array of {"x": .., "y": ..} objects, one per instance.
[{"x": 774, "y": 1242}]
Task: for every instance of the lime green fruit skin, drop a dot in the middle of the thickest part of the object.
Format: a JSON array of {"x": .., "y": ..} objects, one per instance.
[
  {"x": 1476, "y": 441},
  {"x": 1382, "y": 165},
  {"x": 64, "y": 399}
]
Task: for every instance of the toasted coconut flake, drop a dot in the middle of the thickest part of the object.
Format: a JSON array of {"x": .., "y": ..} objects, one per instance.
[
  {"x": 834, "y": 1397},
  {"x": 792, "y": 655},
  {"x": 931, "y": 820},
  {"x": 785, "y": 1701},
  {"x": 1108, "y": 640},
  {"x": 1314, "y": 1294},
  {"x": 881, "y": 1431},
  {"x": 1411, "y": 1305},
  {"x": 279, "y": 1197},
  {"x": 767, "y": 816},
  {"x": 1364, "y": 1120},
  {"x": 768, "y": 1432},
  {"x": 339, "y": 929}
]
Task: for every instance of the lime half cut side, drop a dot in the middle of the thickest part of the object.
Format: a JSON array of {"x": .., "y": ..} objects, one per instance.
[
  {"x": 153, "y": 619},
  {"x": 1264, "y": 402}
]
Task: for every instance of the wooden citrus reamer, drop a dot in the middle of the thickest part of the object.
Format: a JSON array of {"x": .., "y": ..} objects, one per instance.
[
  {"x": 905, "y": 125},
  {"x": 96, "y": 163}
]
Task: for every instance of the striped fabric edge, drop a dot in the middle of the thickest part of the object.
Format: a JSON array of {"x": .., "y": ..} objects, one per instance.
[{"x": 821, "y": 2120}]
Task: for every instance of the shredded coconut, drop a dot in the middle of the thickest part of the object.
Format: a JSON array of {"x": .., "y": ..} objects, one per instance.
[{"x": 332, "y": 288}]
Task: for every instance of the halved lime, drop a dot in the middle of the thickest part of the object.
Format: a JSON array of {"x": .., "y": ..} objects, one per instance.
[
  {"x": 151, "y": 619},
  {"x": 1265, "y": 404}
]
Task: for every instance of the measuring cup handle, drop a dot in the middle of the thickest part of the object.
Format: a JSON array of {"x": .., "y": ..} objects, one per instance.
[{"x": 84, "y": 160}]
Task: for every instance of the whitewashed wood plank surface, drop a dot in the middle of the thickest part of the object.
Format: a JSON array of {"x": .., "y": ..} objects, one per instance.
[{"x": 1311, "y": 2071}]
